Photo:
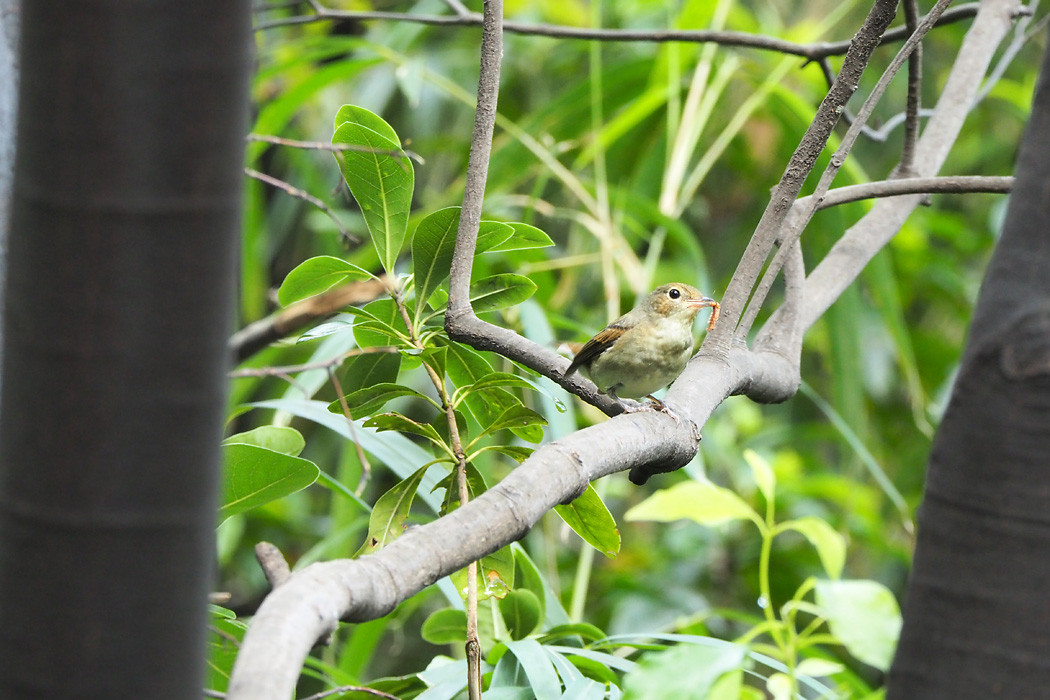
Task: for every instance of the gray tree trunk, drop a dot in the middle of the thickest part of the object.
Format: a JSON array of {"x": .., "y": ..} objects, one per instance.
[
  {"x": 119, "y": 298},
  {"x": 977, "y": 608}
]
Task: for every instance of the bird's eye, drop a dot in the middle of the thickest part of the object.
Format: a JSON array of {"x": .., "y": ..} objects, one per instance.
[{"x": 674, "y": 293}]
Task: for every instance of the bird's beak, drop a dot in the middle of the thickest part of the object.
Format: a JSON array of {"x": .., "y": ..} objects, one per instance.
[{"x": 702, "y": 302}]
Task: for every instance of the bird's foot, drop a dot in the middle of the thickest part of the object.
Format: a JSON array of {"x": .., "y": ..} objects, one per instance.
[{"x": 662, "y": 407}]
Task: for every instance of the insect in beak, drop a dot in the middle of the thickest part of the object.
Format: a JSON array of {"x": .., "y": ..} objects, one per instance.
[{"x": 707, "y": 301}]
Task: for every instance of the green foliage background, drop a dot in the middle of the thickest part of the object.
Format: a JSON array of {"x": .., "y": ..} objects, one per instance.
[{"x": 592, "y": 148}]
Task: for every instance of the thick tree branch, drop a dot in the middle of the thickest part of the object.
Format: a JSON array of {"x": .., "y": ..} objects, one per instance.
[{"x": 310, "y": 603}]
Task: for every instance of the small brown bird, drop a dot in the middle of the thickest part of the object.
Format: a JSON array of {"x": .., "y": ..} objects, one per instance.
[{"x": 647, "y": 348}]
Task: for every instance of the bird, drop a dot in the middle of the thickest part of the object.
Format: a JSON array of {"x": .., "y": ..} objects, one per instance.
[{"x": 645, "y": 349}]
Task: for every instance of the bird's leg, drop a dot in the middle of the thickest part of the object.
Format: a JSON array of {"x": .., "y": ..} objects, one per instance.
[{"x": 629, "y": 405}]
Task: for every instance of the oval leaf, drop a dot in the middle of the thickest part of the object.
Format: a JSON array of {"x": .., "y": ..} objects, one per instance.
[
  {"x": 521, "y": 612},
  {"x": 402, "y": 424},
  {"x": 446, "y": 626},
  {"x": 352, "y": 114},
  {"x": 390, "y": 512},
  {"x": 316, "y": 275},
  {"x": 500, "y": 291},
  {"x": 700, "y": 501},
  {"x": 525, "y": 236},
  {"x": 381, "y": 180},
  {"x": 523, "y": 421},
  {"x": 370, "y": 399},
  {"x": 831, "y": 547},
  {"x": 287, "y": 441},
  {"x": 864, "y": 616},
  {"x": 591, "y": 520},
  {"x": 432, "y": 247},
  {"x": 254, "y": 476},
  {"x": 765, "y": 478}
]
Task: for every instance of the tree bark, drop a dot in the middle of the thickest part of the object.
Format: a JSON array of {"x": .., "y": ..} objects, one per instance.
[
  {"x": 120, "y": 291},
  {"x": 977, "y": 608}
]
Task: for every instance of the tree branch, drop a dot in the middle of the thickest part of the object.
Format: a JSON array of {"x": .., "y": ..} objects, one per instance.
[
  {"x": 805, "y": 212},
  {"x": 812, "y": 51},
  {"x": 798, "y": 169},
  {"x": 255, "y": 336},
  {"x": 863, "y": 240},
  {"x": 311, "y": 603}
]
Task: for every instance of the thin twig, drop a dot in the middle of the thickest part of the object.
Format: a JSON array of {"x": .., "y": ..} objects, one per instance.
[
  {"x": 320, "y": 364},
  {"x": 810, "y": 51},
  {"x": 306, "y": 197},
  {"x": 366, "y": 466},
  {"x": 273, "y": 563},
  {"x": 334, "y": 147},
  {"x": 351, "y": 689},
  {"x": 257, "y": 335},
  {"x": 837, "y": 159},
  {"x": 961, "y": 184}
]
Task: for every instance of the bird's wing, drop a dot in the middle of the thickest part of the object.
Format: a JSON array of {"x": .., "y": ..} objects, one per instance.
[{"x": 601, "y": 342}]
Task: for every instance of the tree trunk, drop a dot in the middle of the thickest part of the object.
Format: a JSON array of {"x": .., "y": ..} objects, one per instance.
[
  {"x": 977, "y": 608},
  {"x": 119, "y": 297}
]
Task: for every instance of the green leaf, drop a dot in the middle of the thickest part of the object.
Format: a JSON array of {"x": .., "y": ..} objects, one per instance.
[
  {"x": 370, "y": 369},
  {"x": 402, "y": 424},
  {"x": 465, "y": 367},
  {"x": 352, "y": 114},
  {"x": 728, "y": 686},
  {"x": 324, "y": 330},
  {"x": 385, "y": 327},
  {"x": 254, "y": 476},
  {"x": 475, "y": 487},
  {"x": 496, "y": 380},
  {"x": 864, "y": 616},
  {"x": 830, "y": 546},
  {"x": 524, "y": 421},
  {"x": 390, "y": 513},
  {"x": 524, "y": 237},
  {"x": 818, "y": 668},
  {"x": 432, "y": 247},
  {"x": 366, "y": 401},
  {"x": 516, "y": 452},
  {"x": 492, "y": 234},
  {"x": 584, "y": 630},
  {"x": 700, "y": 501},
  {"x": 591, "y": 520},
  {"x": 287, "y": 441},
  {"x": 316, "y": 275},
  {"x": 683, "y": 671},
  {"x": 500, "y": 291},
  {"x": 495, "y": 575},
  {"x": 521, "y": 612},
  {"x": 446, "y": 626},
  {"x": 435, "y": 358},
  {"x": 765, "y": 478},
  {"x": 381, "y": 181},
  {"x": 538, "y": 667}
]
